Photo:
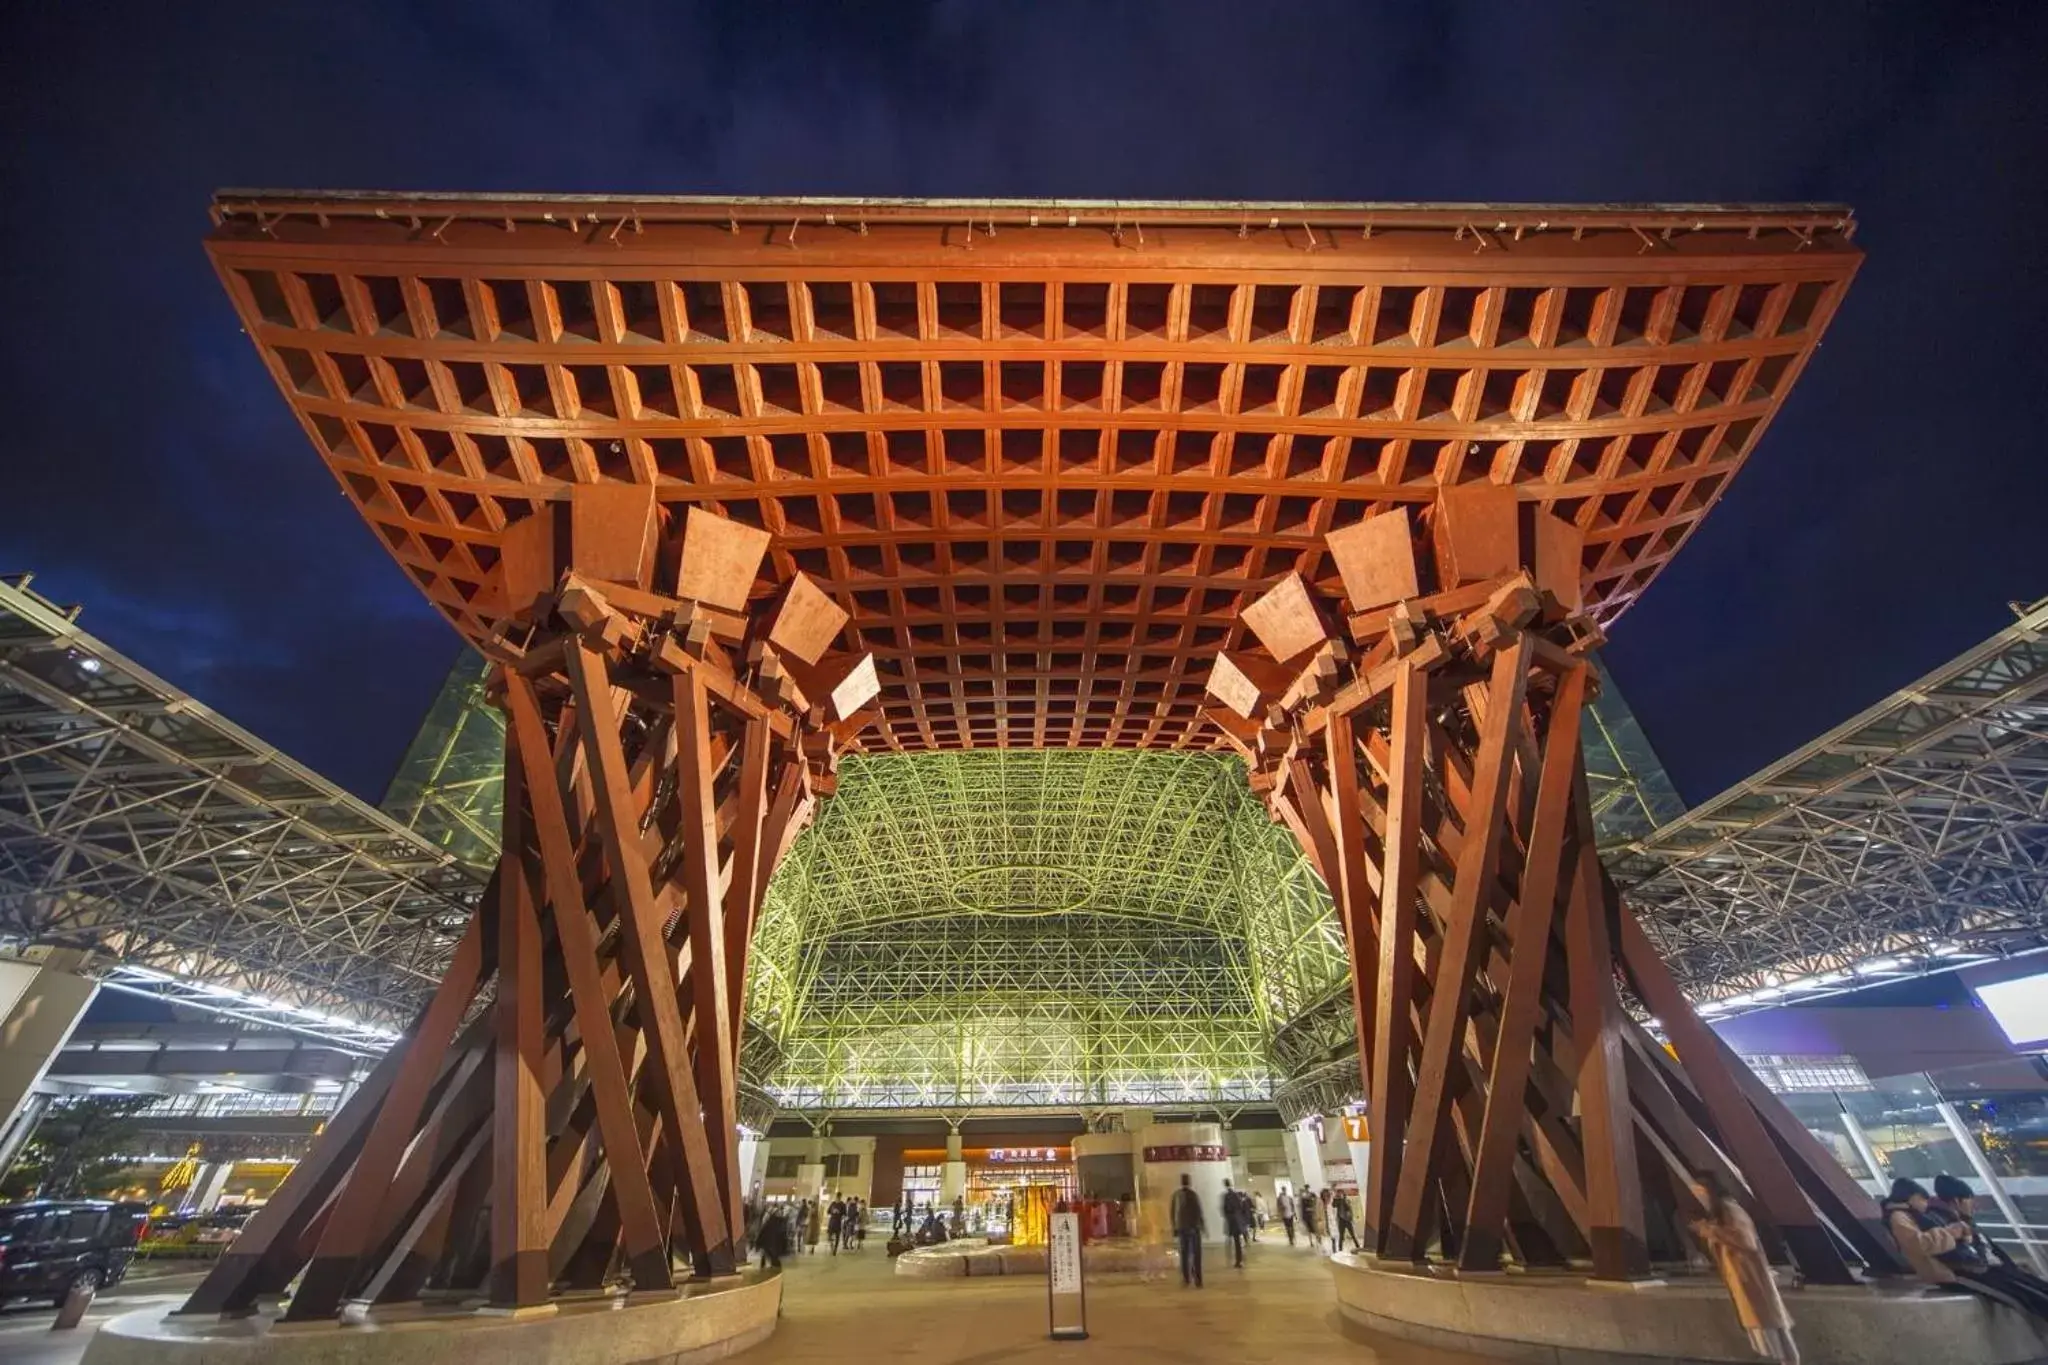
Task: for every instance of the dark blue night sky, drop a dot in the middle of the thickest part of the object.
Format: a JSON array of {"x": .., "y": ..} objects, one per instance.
[{"x": 151, "y": 473}]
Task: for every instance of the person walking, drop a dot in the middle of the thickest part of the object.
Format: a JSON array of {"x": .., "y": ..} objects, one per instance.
[
  {"x": 1345, "y": 1226},
  {"x": 816, "y": 1223},
  {"x": 1308, "y": 1208},
  {"x": 835, "y": 1223},
  {"x": 773, "y": 1239},
  {"x": 1188, "y": 1230},
  {"x": 1327, "y": 1216},
  {"x": 1235, "y": 1216},
  {"x": 1730, "y": 1237},
  {"x": 1284, "y": 1206},
  {"x": 860, "y": 1225},
  {"x": 1258, "y": 1199}
]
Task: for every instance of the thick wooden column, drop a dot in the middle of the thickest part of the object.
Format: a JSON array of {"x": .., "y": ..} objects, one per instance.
[
  {"x": 519, "y": 1234},
  {"x": 584, "y": 1123},
  {"x": 1389, "y": 1080},
  {"x": 1487, "y": 945}
]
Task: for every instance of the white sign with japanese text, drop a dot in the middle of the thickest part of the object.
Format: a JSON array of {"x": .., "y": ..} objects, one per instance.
[{"x": 1066, "y": 1299}]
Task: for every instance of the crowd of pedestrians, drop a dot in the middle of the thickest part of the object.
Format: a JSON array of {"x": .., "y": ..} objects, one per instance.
[
  {"x": 783, "y": 1229},
  {"x": 1241, "y": 1215}
]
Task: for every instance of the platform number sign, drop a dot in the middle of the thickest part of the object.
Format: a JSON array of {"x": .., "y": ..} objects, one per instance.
[{"x": 1066, "y": 1299}]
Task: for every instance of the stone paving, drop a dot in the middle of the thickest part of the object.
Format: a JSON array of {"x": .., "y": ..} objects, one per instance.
[{"x": 1281, "y": 1307}]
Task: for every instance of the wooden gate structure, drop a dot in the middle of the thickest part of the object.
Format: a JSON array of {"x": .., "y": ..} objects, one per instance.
[{"x": 727, "y": 488}]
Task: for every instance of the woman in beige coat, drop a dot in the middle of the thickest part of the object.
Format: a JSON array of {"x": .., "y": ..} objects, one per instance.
[{"x": 1730, "y": 1237}]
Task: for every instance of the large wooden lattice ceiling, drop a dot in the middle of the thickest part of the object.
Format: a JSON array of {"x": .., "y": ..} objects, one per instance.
[{"x": 1041, "y": 452}]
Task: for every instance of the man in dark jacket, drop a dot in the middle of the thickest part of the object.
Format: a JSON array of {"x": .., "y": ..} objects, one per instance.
[
  {"x": 1236, "y": 1222},
  {"x": 1189, "y": 1227},
  {"x": 774, "y": 1236},
  {"x": 1346, "y": 1228}
]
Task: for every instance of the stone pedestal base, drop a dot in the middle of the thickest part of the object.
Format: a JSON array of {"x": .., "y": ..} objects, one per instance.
[
  {"x": 974, "y": 1257},
  {"x": 1570, "y": 1321},
  {"x": 702, "y": 1323}
]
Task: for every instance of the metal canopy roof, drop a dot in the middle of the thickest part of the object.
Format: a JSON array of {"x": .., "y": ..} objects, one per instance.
[
  {"x": 136, "y": 822},
  {"x": 1913, "y": 837}
]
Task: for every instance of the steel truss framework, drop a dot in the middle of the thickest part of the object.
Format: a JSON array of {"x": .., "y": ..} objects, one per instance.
[
  {"x": 911, "y": 945},
  {"x": 1921, "y": 824},
  {"x": 1070, "y": 1010},
  {"x": 137, "y": 823},
  {"x": 450, "y": 786}
]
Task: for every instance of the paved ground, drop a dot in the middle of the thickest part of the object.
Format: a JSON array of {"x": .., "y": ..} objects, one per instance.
[
  {"x": 854, "y": 1308},
  {"x": 26, "y": 1338},
  {"x": 1281, "y": 1307}
]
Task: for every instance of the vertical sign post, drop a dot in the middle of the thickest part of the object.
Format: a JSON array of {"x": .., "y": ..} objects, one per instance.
[{"x": 1066, "y": 1298}]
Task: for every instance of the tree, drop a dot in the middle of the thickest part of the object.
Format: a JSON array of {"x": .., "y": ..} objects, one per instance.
[{"x": 78, "y": 1146}]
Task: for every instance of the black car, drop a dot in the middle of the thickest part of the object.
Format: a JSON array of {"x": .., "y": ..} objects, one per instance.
[{"x": 48, "y": 1247}]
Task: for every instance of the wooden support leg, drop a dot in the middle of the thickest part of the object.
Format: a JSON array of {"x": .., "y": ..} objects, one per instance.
[
  {"x": 1614, "y": 1191},
  {"x": 704, "y": 913},
  {"x": 1529, "y": 930},
  {"x": 1711, "y": 1068},
  {"x": 527, "y": 745},
  {"x": 654, "y": 988},
  {"x": 1450, "y": 997},
  {"x": 359, "y": 1209},
  {"x": 1390, "y": 1082},
  {"x": 519, "y": 1245}
]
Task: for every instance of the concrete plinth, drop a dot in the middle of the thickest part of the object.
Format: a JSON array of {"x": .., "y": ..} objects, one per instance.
[
  {"x": 703, "y": 1323},
  {"x": 971, "y": 1257},
  {"x": 1566, "y": 1320}
]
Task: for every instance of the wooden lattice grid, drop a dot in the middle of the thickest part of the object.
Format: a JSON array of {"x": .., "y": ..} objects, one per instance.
[{"x": 1043, "y": 465}]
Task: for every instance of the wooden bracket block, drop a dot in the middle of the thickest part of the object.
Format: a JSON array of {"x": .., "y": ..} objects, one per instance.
[
  {"x": 583, "y": 606},
  {"x": 613, "y": 532},
  {"x": 526, "y": 562},
  {"x": 777, "y": 684},
  {"x": 1239, "y": 680},
  {"x": 1285, "y": 619},
  {"x": 859, "y": 686},
  {"x": 846, "y": 683},
  {"x": 1475, "y": 534},
  {"x": 1242, "y": 734},
  {"x": 1560, "y": 547},
  {"x": 720, "y": 560},
  {"x": 807, "y": 621},
  {"x": 1376, "y": 560}
]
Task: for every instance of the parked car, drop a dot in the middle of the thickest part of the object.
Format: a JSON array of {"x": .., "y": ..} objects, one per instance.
[{"x": 48, "y": 1247}]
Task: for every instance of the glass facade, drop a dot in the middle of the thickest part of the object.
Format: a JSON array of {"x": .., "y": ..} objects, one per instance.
[
  {"x": 1985, "y": 1124},
  {"x": 450, "y": 786}
]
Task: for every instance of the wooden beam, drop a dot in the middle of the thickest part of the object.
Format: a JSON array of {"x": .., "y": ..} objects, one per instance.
[
  {"x": 1614, "y": 1191},
  {"x": 654, "y": 987},
  {"x": 1507, "y": 1099},
  {"x": 747, "y": 885},
  {"x": 359, "y": 1214},
  {"x": 1451, "y": 992},
  {"x": 1354, "y": 891},
  {"x": 1711, "y": 1067},
  {"x": 714, "y": 999},
  {"x": 1390, "y": 1081},
  {"x": 519, "y": 1245},
  {"x": 527, "y": 745}
]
